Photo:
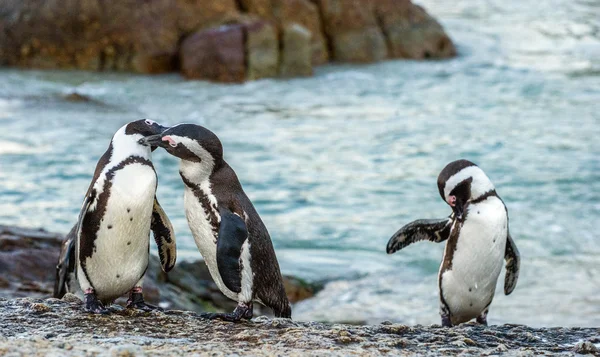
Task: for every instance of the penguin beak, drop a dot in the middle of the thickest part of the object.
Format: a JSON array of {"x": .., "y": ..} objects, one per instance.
[{"x": 153, "y": 140}]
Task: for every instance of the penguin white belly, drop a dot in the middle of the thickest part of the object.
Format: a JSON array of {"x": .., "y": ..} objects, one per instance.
[
  {"x": 204, "y": 236},
  {"x": 469, "y": 285},
  {"x": 120, "y": 257}
]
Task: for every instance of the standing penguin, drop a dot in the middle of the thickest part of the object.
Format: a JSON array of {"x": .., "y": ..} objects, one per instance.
[
  {"x": 109, "y": 245},
  {"x": 229, "y": 233},
  {"x": 478, "y": 243}
]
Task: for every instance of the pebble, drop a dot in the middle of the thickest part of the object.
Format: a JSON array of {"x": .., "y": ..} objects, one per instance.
[
  {"x": 39, "y": 308},
  {"x": 126, "y": 351},
  {"x": 586, "y": 347}
]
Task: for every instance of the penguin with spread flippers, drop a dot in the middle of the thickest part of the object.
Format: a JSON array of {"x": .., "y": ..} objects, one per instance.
[
  {"x": 108, "y": 248},
  {"x": 229, "y": 233},
  {"x": 479, "y": 243}
]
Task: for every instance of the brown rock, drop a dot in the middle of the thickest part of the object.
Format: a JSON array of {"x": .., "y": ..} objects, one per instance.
[
  {"x": 353, "y": 31},
  {"x": 262, "y": 8},
  {"x": 215, "y": 54},
  {"x": 141, "y": 36},
  {"x": 288, "y": 12},
  {"x": 27, "y": 261},
  {"x": 153, "y": 35},
  {"x": 197, "y": 14},
  {"x": 76, "y": 97},
  {"x": 262, "y": 48},
  {"x": 410, "y": 32},
  {"x": 305, "y": 13},
  {"x": 297, "y": 289},
  {"x": 296, "y": 57},
  {"x": 146, "y": 36}
]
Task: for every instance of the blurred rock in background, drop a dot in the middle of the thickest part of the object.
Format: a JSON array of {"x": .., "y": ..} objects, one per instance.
[{"x": 218, "y": 40}]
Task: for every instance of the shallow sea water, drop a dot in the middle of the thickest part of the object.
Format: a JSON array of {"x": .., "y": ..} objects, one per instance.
[{"x": 336, "y": 163}]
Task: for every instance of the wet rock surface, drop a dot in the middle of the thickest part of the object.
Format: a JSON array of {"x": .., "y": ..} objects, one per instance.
[
  {"x": 156, "y": 36},
  {"x": 60, "y": 327}
]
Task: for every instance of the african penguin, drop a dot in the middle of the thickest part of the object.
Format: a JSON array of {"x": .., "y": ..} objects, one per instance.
[
  {"x": 478, "y": 243},
  {"x": 109, "y": 245},
  {"x": 229, "y": 233}
]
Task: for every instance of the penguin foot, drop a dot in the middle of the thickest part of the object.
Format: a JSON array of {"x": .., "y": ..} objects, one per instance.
[
  {"x": 446, "y": 321},
  {"x": 94, "y": 306},
  {"x": 136, "y": 301},
  {"x": 242, "y": 311}
]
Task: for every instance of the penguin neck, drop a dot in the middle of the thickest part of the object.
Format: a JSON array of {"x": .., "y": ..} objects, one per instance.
[{"x": 196, "y": 172}]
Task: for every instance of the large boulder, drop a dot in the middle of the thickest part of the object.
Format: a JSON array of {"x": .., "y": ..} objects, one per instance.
[
  {"x": 306, "y": 14},
  {"x": 262, "y": 49},
  {"x": 296, "y": 57},
  {"x": 140, "y": 36},
  {"x": 262, "y": 8},
  {"x": 410, "y": 32},
  {"x": 352, "y": 29},
  {"x": 27, "y": 261},
  {"x": 150, "y": 36},
  {"x": 216, "y": 54},
  {"x": 288, "y": 12},
  {"x": 193, "y": 15}
]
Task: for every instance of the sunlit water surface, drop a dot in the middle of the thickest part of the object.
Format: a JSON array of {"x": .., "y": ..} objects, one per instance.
[{"x": 337, "y": 162}]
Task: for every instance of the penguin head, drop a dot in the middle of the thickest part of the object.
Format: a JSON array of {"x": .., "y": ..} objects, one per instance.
[
  {"x": 126, "y": 140},
  {"x": 461, "y": 182},
  {"x": 136, "y": 130},
  {"x": 189, "y": 142}
]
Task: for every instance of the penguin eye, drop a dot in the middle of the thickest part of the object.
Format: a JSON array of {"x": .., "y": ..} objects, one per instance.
[{"x": 148, "y": 122}]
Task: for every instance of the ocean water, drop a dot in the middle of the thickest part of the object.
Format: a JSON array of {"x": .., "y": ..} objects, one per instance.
[{"x": 336, "y": 163}]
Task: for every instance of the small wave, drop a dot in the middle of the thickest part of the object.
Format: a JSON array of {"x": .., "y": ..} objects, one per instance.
[
  {"x": 16, "y": 148},
  {"x": 7, "y": 106}
]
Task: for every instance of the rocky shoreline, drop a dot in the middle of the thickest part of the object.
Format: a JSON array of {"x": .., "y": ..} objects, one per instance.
[
  {"x": 32, "y": 327},
  {"x": 218, "y": 40},
  {"x": 32, "y": 324}
]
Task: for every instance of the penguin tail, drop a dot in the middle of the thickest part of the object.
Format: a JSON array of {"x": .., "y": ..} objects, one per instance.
[
  {"x": 65, "y": 265},
  {"x": 275, "y": 298},
  {"x": 284, "y": 310},
  {"x": 279, "y": 302}
]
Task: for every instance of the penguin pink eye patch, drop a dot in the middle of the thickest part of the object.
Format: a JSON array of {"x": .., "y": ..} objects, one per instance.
[
  {"x": 452, "y": 201},
  {"x": 169, "y": 140}
]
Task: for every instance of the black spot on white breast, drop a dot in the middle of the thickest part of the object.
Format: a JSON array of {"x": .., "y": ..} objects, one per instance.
[{"x": 91, "y": 221}]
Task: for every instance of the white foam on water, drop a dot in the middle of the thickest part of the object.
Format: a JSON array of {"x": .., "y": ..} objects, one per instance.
[
  {"x": 8, "y": 106},
  {"x": 7, "y": 147}
]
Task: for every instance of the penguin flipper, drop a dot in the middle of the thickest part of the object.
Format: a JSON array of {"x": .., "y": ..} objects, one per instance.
[
  {"x": 433, "y": 230},
  {"x": 513, "y": 263},
  {"x": 164, "y": 235},
  {"x": 66, "y": 264},
  {"x": 66, "y": 260},
  {"x": 232, "y": 235}
]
